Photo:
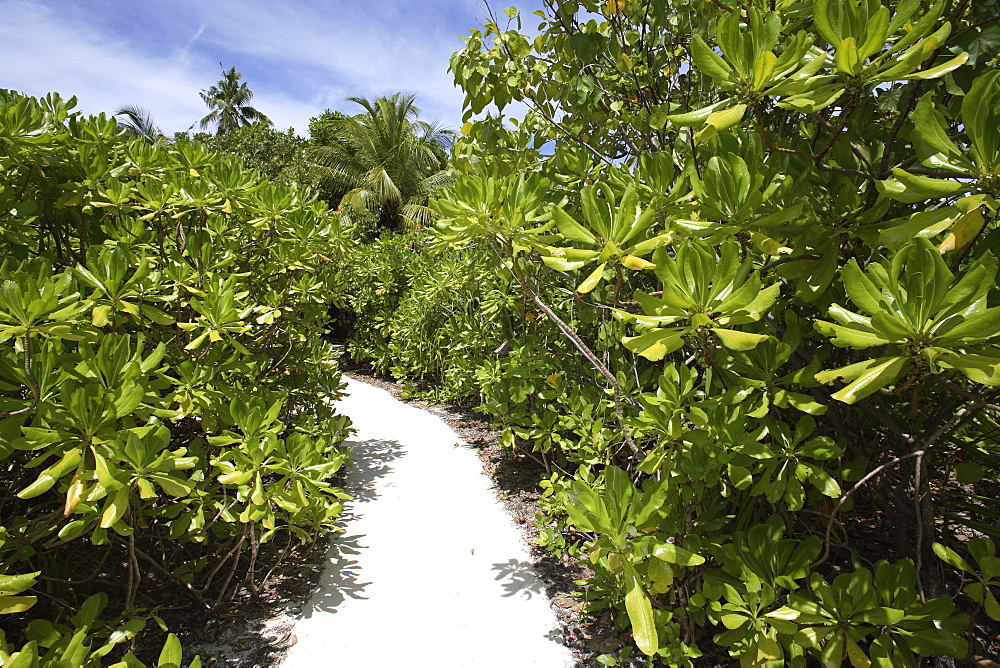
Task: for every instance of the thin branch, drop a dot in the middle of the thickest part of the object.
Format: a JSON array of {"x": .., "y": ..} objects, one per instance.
[
  {"x": 977, "y": 399},
  {"x": 36, "y": 388},
  {"x": 833, "y": 515},
  {"x": 597, "y": 154},
  {"x": 575, "y": 339},
  {"x": 173, "y": 576},
  {"x": 930, "y": 441}
]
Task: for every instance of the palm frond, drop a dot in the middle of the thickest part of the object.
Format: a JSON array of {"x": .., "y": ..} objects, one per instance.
[
  {"x": 387, "y": 157},
  {"x": 139, "y": 122},
  {"x": 435, "y": 182},
  {"x": 229, "y": 101},
  {"x": 421, "y": 215}
]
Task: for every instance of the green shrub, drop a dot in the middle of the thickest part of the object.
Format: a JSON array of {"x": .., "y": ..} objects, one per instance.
[
  {"x": 425, "y": 316},
  {"x": 164, "y": 387},
  {"x": 760, "y": 245}
]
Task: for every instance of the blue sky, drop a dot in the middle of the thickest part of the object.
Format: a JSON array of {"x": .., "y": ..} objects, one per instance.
[{"x": 298, "y": 57}]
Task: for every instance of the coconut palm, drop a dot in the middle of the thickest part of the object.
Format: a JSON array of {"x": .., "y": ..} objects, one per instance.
[
  {"x": 387, "y": 159},
  {"x": 229, "y": 101},
  {"x": 137, "y": 121}
]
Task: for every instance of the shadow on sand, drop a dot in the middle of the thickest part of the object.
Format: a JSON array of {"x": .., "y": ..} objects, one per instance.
[
  {"x": 518, "y": 577},
  {"x": 339, "y": 581}
]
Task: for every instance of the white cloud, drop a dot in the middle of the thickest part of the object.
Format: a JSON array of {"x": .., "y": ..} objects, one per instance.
[
  {"x": 43, "y": 51},
  {"x": 298, "y": 58},
  {"x": 359, "y": 49}
]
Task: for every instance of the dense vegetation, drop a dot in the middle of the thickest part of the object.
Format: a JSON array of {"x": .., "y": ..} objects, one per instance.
[
  {"x": 165, "y": 393},
  {"x": 731, "y": 280},
  {"x": 738, "y": 268}
]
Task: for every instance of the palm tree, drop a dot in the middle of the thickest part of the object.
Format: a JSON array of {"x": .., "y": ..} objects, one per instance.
[
  {"x": 138, "y": 122},
  {"x": 229, "y": 101},
  {"x": 387, "y": 159}
]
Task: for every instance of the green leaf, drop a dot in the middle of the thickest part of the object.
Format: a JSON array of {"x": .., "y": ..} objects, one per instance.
[
  {"x": 562, "y": 264},
  {"x": 847, "y": 58},
  {"x": 980, "y": 116},
  {"x": 740, "y": 476},
  {"x": 171, "y": 653},
  {"x": 26, "y": 658},
  {"x": 860, "y": 288},
  {"x": 707, "y": 61},
  {"x": 720, "y": 121},
  {"x": 975, "y": 329},
  {"x": 856, "y": 655},
  {"x": 875, "y": 33},
  {"x": 850, "y": 336},
  {"x": 991, "y": 606},
  {"x": 115, "y": 508},
  {"x": 950, "y": 557},
  {"x": 968, "y": 473},
  {"x": 879, "y": 616},
  {"x": 920, "y": 224},
  {"x": 100, "y": 314},
  {"x": 822, "y": 19},
  {"x": 13, "y": 604},
  {"x": 655, "y": 345},
  {"x": 674, "y": 554},
  {"x": 591, "y": 281},
  {"x": 937, "y": 642},
  {"x": 570, "y": 228},
  {"x": 736, "y": 340},
  {"x": 813, "y": 100},
  {"x": 640, "y": 614},
  {"x": 928, "y": 125},
  {"x": 696, "y": 117},
  {"x": 943, "y": 68},
  {"x": 912, "y": 188},
  {"x": 822, "y": 480},
  {"x": 977, "y": 368},
  {"x": 156, "y": 315},
  {"x": 868, "y": 376},
  {"x": 763, "y": 68},
  {"x": 126, "y": 631}
]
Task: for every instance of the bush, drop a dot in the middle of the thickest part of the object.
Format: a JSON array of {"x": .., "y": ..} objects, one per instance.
[
  {"x": 427, "y": 316},
  {"x": 766, "y": 238},
  {"x": 164, "y": 387}
]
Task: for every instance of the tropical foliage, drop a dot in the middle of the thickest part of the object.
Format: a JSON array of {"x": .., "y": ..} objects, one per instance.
[
  {"x": 165, "y": 393},
  {"x": 386, "y": 159},
  {"x": 741, "y": 262},
  {"x": 229, "y": 104},
  {"x": 138, "y": 122}
]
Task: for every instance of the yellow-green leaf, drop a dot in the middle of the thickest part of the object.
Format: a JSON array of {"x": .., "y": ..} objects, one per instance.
[
  {"x": 736, "y": 340},
  {"x": 655, "y": 345},
  {"x": 847, "y": 57},
  {"x": 637, "y": 263},
  {"x": 874, "y": 378},
  {"x": 965, "y": 230},
  {"x": 591, "y": 281},
  {"x": 13, "y": 604},
  {"x": 720, "y": 121},
  {"x": 763, "y": 68},
  {"x": 99, "y": 318},
  {"x": 640, "y": 614},
  {"x": 769, "y": 245},
  {"x": 115, "y": 508}
]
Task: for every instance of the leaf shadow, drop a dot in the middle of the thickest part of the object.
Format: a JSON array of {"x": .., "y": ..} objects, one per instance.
[
  {"x": 372, "y": 459},
  {"x": 518, "y": 577}
]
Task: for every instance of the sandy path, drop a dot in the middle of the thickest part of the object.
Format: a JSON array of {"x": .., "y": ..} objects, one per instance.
[{"x": 430, "y": 571}]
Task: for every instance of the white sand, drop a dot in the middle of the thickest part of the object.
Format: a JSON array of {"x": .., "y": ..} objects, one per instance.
[{"x": 431, "y": 571}]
